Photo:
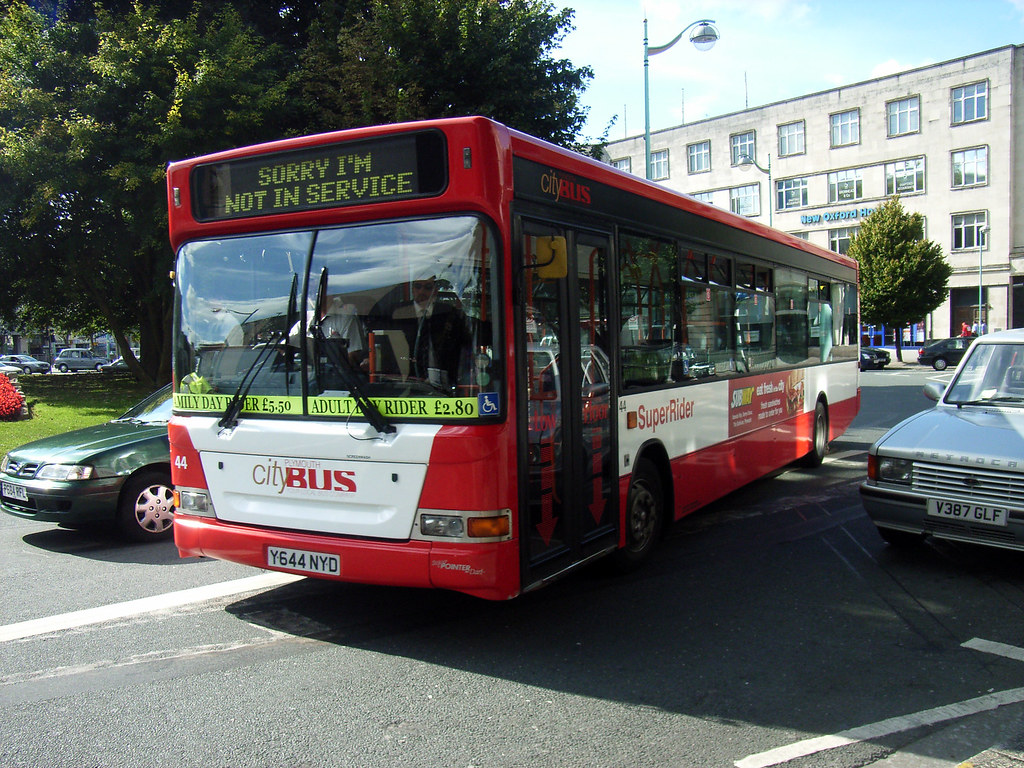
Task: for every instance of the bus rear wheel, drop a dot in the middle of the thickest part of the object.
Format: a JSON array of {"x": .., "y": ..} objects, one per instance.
[{"x": 645, "y": 512}]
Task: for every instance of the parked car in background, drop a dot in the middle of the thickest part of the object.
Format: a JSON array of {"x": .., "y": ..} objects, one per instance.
[
  {"x": 874, "y": 358},
  {"x": 955, "y": 471},
  {"x": 26, "y": 363},
  {"x": 9, "y": 370},
  {"x": 944, "y": 352},
  {"x": 77, "y": 360},
  {"x": 119, "y": 471}
]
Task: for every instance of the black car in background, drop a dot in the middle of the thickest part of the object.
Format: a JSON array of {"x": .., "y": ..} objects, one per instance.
[
  {"x": 945, "y": 352},
  {"x": 873, "y": 358}
]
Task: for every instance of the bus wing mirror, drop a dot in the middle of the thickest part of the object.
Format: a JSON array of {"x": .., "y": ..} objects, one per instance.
[{"x": 552, "y": 258}]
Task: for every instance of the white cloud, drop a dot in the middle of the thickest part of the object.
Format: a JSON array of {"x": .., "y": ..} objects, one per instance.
[{"x": 890, "y": 67}]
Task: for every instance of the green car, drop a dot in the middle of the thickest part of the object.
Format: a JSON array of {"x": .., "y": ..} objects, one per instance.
[{"x": 116, "y": 472}]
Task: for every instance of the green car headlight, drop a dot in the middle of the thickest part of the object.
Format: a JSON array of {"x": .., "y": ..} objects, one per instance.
[{"x": 64, "y": 472}]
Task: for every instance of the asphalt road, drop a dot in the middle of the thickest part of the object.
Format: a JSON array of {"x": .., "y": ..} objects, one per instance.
[{"x": 772, "y": 628}]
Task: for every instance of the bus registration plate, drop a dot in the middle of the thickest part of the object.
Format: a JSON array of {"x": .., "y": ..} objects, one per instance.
[
  {"x": 970, "y": 513},
  {"x": 302, "y": 560}
]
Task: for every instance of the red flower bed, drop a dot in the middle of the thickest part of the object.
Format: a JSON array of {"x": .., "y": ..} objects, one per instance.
[{"x": 11, "y": 401}]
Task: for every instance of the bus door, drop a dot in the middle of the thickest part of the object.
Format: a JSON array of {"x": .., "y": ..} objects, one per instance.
[{"x": 569, "y": 509}]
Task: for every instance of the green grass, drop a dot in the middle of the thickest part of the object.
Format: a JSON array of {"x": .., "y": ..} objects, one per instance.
[{"x": 62, "y": 402}]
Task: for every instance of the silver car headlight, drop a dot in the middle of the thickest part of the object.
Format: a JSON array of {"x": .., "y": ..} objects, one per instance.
[
  {"x": 64, "y": 472},
  {"x": 895, "y": 470}
]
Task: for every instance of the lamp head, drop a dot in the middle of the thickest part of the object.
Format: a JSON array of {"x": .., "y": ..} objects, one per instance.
[
  {"x": 746, "y": 162},
  {"x": 704, "y": 36}
]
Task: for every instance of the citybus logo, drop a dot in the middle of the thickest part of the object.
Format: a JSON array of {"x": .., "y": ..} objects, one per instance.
[
  {"x": 561, "y": 188},
  {"x": 302, "y": 475}
]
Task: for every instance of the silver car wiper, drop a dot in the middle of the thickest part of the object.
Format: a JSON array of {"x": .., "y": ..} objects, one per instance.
[{"x": 988, "y": 400}]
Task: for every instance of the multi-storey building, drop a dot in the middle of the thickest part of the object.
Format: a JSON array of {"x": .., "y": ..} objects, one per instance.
[{"x": 947, "y": 138}]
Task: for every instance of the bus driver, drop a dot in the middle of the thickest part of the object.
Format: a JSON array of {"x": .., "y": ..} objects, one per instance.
[{"x": 435, "y": 330}]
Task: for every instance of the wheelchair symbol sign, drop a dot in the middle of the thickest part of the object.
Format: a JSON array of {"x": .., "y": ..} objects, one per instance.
[{"x": 487, "y": 404}]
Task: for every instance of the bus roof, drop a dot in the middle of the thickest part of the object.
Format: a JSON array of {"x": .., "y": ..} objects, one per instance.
[{"x": 522, "y": 146}]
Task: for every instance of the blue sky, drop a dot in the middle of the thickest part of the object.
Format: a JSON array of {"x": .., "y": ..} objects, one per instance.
[{"x": 770, "y": 50}]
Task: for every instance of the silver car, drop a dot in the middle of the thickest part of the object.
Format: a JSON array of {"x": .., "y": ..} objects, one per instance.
[
  {"x": 25, "y": 363},
  {"x": 956, "y": 471},
  {"x": 77, "y": 360}
]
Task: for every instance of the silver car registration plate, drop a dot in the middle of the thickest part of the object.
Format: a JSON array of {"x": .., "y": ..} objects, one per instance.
[{"x": 967, "y": 512}]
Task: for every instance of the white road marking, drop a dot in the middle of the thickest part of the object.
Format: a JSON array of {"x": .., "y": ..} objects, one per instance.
[
  {"x": 883, "y": 728},
  {"x": 34, "y": 627},
  {"x": 144, "y": 658},
  {"x": 893, "y": 725},
  {"x": 998, "y": 649}
]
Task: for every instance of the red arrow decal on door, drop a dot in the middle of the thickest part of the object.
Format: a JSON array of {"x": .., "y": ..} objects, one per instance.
[
  {"x": 598, "y": 502},
  {"x": 548, "y": 519}
]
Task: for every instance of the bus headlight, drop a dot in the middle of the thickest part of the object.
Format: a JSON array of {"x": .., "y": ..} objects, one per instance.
[
  {"x": 192, "y": 502},
  {"x": 442, "y": 525},
  {"x": 473, "y": 526}
]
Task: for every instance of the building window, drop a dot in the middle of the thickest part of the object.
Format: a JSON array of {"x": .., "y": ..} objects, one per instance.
[
  {"x": 904, "y": 177},
  {"x": 746, "y": 201},
  {"x": 970, "y": 167},
  {"x": 967, "y": 230},
  {"x": 839, "y": 239},
  {"x": 698, "y": 157},
  {"x": 624, "y": 164},
  {"x": 845, "y": 128},
  {"x": 659, "y": 164},
  {"x": 791, "y": 139},
  {"x": 791, "y": 193},
  {"x": 742, "y": 145},
  {"x": 970, "y": 103},
  {"x": 904, "y": 116},
  {"x": 844, "y": 186},
  {"x": 705, "y": 197}
]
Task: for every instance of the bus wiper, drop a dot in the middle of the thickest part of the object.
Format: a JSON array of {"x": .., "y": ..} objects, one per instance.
[
  {"x": 230, "y": 418},
  {"x": 339, "y": 359}
]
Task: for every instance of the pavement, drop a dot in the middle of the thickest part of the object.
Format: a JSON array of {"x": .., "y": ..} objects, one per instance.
[{"x": 909, "y": 358}]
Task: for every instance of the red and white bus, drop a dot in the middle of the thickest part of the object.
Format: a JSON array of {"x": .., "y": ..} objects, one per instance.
[{"x": 447, "y": 354}]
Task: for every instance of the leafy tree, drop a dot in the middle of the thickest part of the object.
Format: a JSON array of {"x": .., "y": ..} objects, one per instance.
[
  {"x": 903, "y": 277},
  {"x": 96, "y": 98},
  {"x": 415, "y": 59},
  {"x": 91, "y": 113}
]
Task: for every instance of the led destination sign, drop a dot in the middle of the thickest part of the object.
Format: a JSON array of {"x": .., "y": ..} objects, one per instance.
[{"x": 376, "y": 170}]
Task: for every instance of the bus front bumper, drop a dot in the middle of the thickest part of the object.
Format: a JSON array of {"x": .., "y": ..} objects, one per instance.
[{"x": 486, "y": 570}]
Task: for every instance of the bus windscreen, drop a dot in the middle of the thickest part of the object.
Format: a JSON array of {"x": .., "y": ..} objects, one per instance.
[{"x": 396, "y": 167}]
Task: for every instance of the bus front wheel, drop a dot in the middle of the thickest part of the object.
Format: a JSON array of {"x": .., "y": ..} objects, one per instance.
[
  {"x": 645, "y": 512},
  {"x": 819, "y": 440}
]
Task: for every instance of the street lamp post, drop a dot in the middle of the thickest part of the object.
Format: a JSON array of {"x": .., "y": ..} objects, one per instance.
[
  {"x": 704, "y": 37},
  {"x": 982, "y": 232},
  {"x": 746, "y": 161}
]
